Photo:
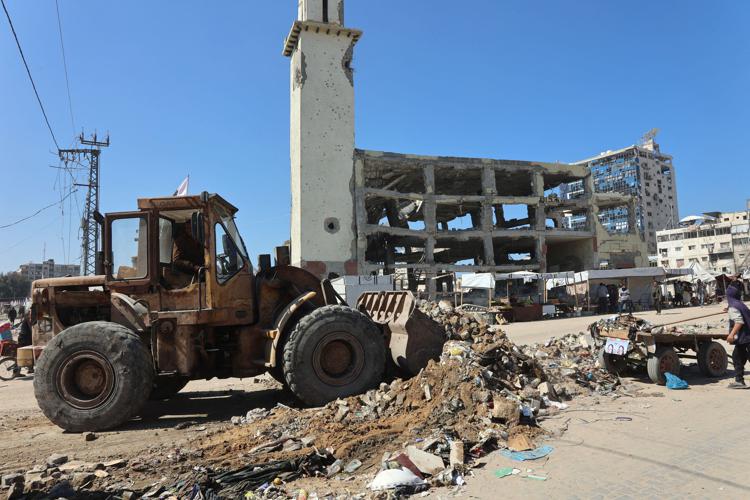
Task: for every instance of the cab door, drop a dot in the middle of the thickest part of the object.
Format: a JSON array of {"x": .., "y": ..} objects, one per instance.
[{"x": 128, "y": 252}]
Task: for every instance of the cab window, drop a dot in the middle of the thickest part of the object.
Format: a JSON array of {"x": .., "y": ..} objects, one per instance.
[
  {"x": 129, "y": 248},
  {"x": 229, "y": 259},
  {"x": 165, "y": 241}
]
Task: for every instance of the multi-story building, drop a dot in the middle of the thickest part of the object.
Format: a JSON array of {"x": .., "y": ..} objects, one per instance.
[
  {"x": 48, "y": 269},
  {"x": 643, "y": 172},
  {"x": 720, "y": 243}
]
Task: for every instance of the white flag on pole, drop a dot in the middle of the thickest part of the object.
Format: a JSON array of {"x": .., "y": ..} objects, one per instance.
[{"x": 182, "y": 189}]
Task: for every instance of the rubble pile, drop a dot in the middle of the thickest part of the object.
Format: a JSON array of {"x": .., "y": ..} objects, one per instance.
[{"x": 482, "y": 394}]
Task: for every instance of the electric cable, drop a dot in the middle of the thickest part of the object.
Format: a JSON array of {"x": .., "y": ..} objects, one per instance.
[
  {"x": 39, "y": 211},
  {"x": 28, "y": 72},
  {"x": 65, "y": 66}
]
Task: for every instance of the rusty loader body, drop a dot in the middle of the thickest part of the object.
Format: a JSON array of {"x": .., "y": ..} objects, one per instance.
[{"x": 178, "y": 299}]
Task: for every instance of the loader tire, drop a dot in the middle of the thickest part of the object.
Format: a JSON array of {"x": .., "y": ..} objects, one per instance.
[
  {"x": 333, "y": 352},
  {"x": 93, "y": 376},
  {"x": 166, "y": 387}
]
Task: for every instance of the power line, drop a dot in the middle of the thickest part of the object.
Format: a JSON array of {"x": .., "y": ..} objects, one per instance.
[
  {"x": 40, "y": 210},
  {"x": 65, "y": 66},
  {"x": 31, "y": 79}
]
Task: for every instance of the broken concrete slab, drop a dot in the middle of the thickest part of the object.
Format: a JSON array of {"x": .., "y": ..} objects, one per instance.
[{"x": 427, "y": 463}]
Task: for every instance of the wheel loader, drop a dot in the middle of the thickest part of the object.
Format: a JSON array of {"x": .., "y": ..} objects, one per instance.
[{"x": 176, "y": 298}]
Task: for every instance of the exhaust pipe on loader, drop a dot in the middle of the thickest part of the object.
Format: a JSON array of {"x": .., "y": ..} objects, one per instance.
[{"x": 413, "y": 338}]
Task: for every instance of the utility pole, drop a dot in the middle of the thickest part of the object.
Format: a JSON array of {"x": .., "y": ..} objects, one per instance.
[{"x": 89, "y": 225}]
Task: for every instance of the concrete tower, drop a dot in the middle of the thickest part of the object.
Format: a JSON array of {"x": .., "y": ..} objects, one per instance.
[{"x": 323, "y": 231}]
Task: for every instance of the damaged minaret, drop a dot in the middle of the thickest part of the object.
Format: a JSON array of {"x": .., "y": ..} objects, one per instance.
[{"x": 323, "y": 232}]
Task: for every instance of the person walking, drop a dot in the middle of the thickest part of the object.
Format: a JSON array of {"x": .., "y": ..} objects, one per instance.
[
  {"x": 678, "y": 297},
  {"x": 612, "y": 290},
  {"x": 624, "y": 299},
  {"x": 658, "y": 296},
  {"x": 601, "y": 298},
  {"x": 701, "y": 289},
  {"x": 739, "y": 335},
  {"x": 12, "y": 315}
]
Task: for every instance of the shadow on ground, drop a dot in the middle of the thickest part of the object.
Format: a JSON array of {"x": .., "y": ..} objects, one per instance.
[{"x": 206, "y": 406}]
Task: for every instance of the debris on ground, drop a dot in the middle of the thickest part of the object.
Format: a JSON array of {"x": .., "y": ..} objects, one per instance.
[
  {"x": 484, "y": 393},
  {"x": 521, "y": 456}
]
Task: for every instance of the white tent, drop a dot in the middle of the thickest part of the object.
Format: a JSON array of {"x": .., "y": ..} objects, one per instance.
[
  {"x": 699, "y": 273},
  {"x": 478, "y": 280},
  {"x": 518, "y": 275}
]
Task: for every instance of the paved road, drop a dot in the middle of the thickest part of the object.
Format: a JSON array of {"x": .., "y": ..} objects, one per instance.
[
  {"x": 539, "y": 331},
  {"x": 679, "y": 444}
]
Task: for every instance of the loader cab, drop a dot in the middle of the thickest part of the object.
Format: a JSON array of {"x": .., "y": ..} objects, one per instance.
[{"x": 181, "y": 253}]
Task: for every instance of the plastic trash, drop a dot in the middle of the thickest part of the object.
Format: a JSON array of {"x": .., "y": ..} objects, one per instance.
[
  {"x": 394, "y": 478},
  {"x": 675, "y": 382},
  {"x": 503, "y": 472},
  {"x": 352, "y": 466},
  {"x": 520, "y": 456}
]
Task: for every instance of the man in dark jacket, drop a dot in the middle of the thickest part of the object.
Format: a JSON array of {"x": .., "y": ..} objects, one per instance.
[
  {"x": 12, "y": 315},
  {"x": 739, "y": 335}
]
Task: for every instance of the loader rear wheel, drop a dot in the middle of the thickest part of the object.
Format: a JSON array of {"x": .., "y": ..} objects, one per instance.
[
  {"x": 93, "y": 376},
  {"x": 333, "y": 352},
  {"x": 166, "y": 387}
]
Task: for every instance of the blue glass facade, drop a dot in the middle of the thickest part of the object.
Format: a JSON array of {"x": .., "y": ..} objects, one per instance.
[{"x": 612, "y": 174}]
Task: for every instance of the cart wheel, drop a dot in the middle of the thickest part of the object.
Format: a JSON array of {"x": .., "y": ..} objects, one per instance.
[
  {"x": 664, "y": 360},
  {"x": 612, "y": 363},
  {"x": 712, "y": 359},
  {"x": 8, "y": 369}
]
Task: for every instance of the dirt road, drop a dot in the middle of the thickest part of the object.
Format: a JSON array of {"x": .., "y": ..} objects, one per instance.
[{"x": 27, "y": 437}]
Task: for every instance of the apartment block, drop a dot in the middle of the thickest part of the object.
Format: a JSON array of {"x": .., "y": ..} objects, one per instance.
[
  {"x": 48, "y": 269},
  {"x": 720, "y": 243}
]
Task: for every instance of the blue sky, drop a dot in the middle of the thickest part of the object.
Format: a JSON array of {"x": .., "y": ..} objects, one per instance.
[{"x": 201, "y": 88}]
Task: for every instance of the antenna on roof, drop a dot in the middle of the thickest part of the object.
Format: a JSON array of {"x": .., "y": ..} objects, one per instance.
[{"x": 649, "y": 136}]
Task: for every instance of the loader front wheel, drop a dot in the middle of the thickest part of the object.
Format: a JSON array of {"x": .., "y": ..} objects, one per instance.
[
  {"x": 93, "y": 376},
  {"x": 333, "y": 352}
]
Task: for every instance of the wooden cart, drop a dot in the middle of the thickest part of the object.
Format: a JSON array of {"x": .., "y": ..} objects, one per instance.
[{"x": 661, "y": 352}]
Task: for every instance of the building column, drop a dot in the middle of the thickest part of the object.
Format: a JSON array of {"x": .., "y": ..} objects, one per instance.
[{"x": 323, "y": 226}]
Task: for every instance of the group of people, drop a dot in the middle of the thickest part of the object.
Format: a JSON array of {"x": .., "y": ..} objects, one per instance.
[
  {"x": 611, "y": 298},
  {"x": 24, "y": 336}
]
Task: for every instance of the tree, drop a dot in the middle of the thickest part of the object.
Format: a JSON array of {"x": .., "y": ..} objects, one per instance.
[{"x": 14, "y": 286}]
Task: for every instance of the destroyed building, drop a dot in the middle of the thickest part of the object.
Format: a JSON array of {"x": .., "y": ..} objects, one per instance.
[{"x": 365, "y": 212}]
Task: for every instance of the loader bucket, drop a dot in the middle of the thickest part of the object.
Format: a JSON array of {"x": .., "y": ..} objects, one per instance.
[{"x": 413, "y": 338}]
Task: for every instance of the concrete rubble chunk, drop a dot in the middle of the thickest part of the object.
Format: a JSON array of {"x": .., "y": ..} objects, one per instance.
[
  {"x": 342, "y": 412},
  {"x": 426, "y": 462},
  {"x": 116, "y": 463},
  {"x": 82, "y": 479},
  {"x": 457, "y": 453},
  {"x": 10, "y": 479},
  {"x": 15, "y": 491},
  {"x": 56, "y": 459},
  {"x": 72, "y": 466}
]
